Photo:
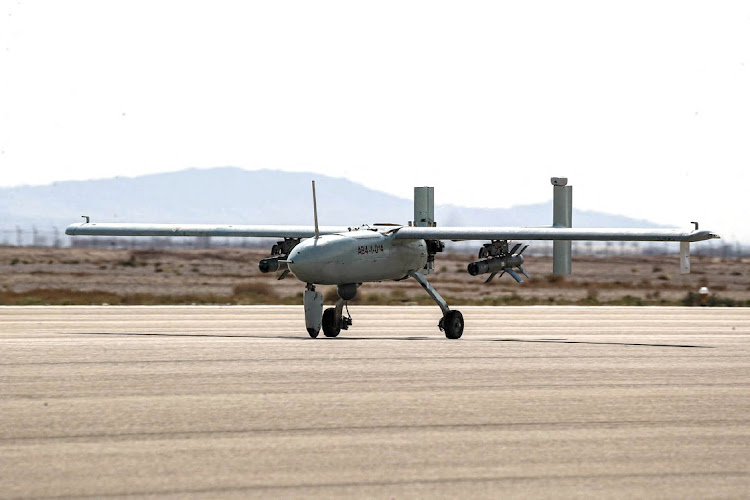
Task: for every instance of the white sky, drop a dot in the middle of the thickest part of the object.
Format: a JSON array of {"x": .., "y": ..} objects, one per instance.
[{"x": 644, "y": 105}]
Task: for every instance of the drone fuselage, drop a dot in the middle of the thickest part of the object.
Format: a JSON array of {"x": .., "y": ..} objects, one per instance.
[{"x": 358, "y": 256}]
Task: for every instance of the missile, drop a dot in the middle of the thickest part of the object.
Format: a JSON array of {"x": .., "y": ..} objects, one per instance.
[
  {"x": 272, "y": 265},
  {"x": 495, "y": 265}
]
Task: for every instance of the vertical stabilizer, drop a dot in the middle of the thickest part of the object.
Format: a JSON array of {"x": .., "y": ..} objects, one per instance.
[
  {"x": 562, "y": 216},
  {"x": 424, "y": 206},
  {"x": 424, "y": 216},
  {"x": 684, "y": 257}
]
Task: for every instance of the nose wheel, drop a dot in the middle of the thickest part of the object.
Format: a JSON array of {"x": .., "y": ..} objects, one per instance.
[
  {"x": 330, "y": 328},
  {"x": 334, "y": 320}
]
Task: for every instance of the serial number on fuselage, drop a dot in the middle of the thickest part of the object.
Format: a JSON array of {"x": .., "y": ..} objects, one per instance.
[{"x": 368, "y": 249}]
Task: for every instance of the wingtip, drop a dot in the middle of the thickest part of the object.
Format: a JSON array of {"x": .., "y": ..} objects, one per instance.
[{"x": 704, "y": 235}]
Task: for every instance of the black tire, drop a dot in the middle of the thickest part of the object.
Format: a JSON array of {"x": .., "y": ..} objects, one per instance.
[
  {"x": 453, "y": 324},
  {"x": 313, "y": 332},
  {"x": 330, "y": 328}
]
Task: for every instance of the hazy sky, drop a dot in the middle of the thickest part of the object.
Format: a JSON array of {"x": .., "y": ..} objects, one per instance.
[{"x": 645, "y": 106}]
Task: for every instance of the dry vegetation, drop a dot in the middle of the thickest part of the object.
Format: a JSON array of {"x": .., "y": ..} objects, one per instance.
[{"x": 230, "y": 276}]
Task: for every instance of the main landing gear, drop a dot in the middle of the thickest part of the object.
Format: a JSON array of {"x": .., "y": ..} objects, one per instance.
[
  {"x": 452, "y": 322},
  {"x": 332, "y": 320}
]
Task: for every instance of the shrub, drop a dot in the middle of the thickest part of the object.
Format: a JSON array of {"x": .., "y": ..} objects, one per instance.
[
  {"x": 629, "y": 300},
  {"x": 128, "y": 263},
  {"x": 253, "y": 287},
  {"x": 592, "y": 296}
]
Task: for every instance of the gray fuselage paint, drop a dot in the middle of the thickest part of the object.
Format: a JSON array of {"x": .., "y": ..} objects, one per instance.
[{"x": 358, "y": 256}]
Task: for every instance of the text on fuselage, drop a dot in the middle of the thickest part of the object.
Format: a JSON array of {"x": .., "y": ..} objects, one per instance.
[{"x": 368, "y": 249}]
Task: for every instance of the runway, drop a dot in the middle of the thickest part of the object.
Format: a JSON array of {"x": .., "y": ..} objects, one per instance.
[{"x": 238, "y": 402}]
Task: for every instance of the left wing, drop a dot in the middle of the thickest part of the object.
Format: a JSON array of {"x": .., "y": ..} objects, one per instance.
[
  {"x": 562, "y": 255},
  {"x": 551, "y": 233}
]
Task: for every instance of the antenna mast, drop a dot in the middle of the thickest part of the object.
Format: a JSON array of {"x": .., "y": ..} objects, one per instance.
[{"x": 315, "y": 211}]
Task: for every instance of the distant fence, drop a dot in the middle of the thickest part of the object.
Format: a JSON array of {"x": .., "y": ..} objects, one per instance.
[
  {"x": 55, "y": 237},
  {"x": 33, "y": 236}
]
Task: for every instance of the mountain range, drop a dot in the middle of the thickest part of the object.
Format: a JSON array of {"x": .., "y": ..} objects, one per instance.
[{"x": 229, "y": 195}]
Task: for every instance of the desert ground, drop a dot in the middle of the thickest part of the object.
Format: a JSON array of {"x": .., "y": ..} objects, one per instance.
[{"x": 37, "y": 275}]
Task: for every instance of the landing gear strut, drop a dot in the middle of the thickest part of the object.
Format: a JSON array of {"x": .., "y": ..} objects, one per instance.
[{"x": 452, "y": 322}]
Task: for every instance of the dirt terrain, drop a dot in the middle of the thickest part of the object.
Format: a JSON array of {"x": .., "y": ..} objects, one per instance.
[{"x": 32, "y": 275}]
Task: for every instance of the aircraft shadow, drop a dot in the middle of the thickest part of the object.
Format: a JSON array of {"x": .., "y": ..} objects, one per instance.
[
  {"x": 192, "y": 335},
  {"x": 211, "y": 335},
  {"x": 343, "y": 339},
  {"x": 563, "y": 341}
]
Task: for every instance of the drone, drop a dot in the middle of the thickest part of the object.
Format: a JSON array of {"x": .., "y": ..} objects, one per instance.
[{"x": 349, "y": 257}]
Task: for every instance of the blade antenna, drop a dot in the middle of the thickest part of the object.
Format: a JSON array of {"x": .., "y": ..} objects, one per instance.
[{"x": 315, "y": 211}]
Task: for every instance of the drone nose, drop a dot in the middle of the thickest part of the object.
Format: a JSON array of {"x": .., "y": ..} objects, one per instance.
[
  {"x": 300, "y": 263},
  {"x": 296, "y": 256}
]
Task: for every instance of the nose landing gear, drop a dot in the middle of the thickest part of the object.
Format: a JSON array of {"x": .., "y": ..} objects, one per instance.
[{"x": 334, "y": 320}]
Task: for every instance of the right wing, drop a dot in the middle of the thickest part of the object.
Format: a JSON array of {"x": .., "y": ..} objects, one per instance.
[{"x": 134, "y": 229}]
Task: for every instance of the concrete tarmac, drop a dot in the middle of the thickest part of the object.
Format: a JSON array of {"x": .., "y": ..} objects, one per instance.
[{"x": 238, "y": 402}]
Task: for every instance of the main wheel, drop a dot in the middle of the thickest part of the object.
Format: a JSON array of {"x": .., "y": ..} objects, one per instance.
[
  {"x": 330, "y": 328},
  {"x": 313, "y": 332},
  {"x": 453, "y": 324}
]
